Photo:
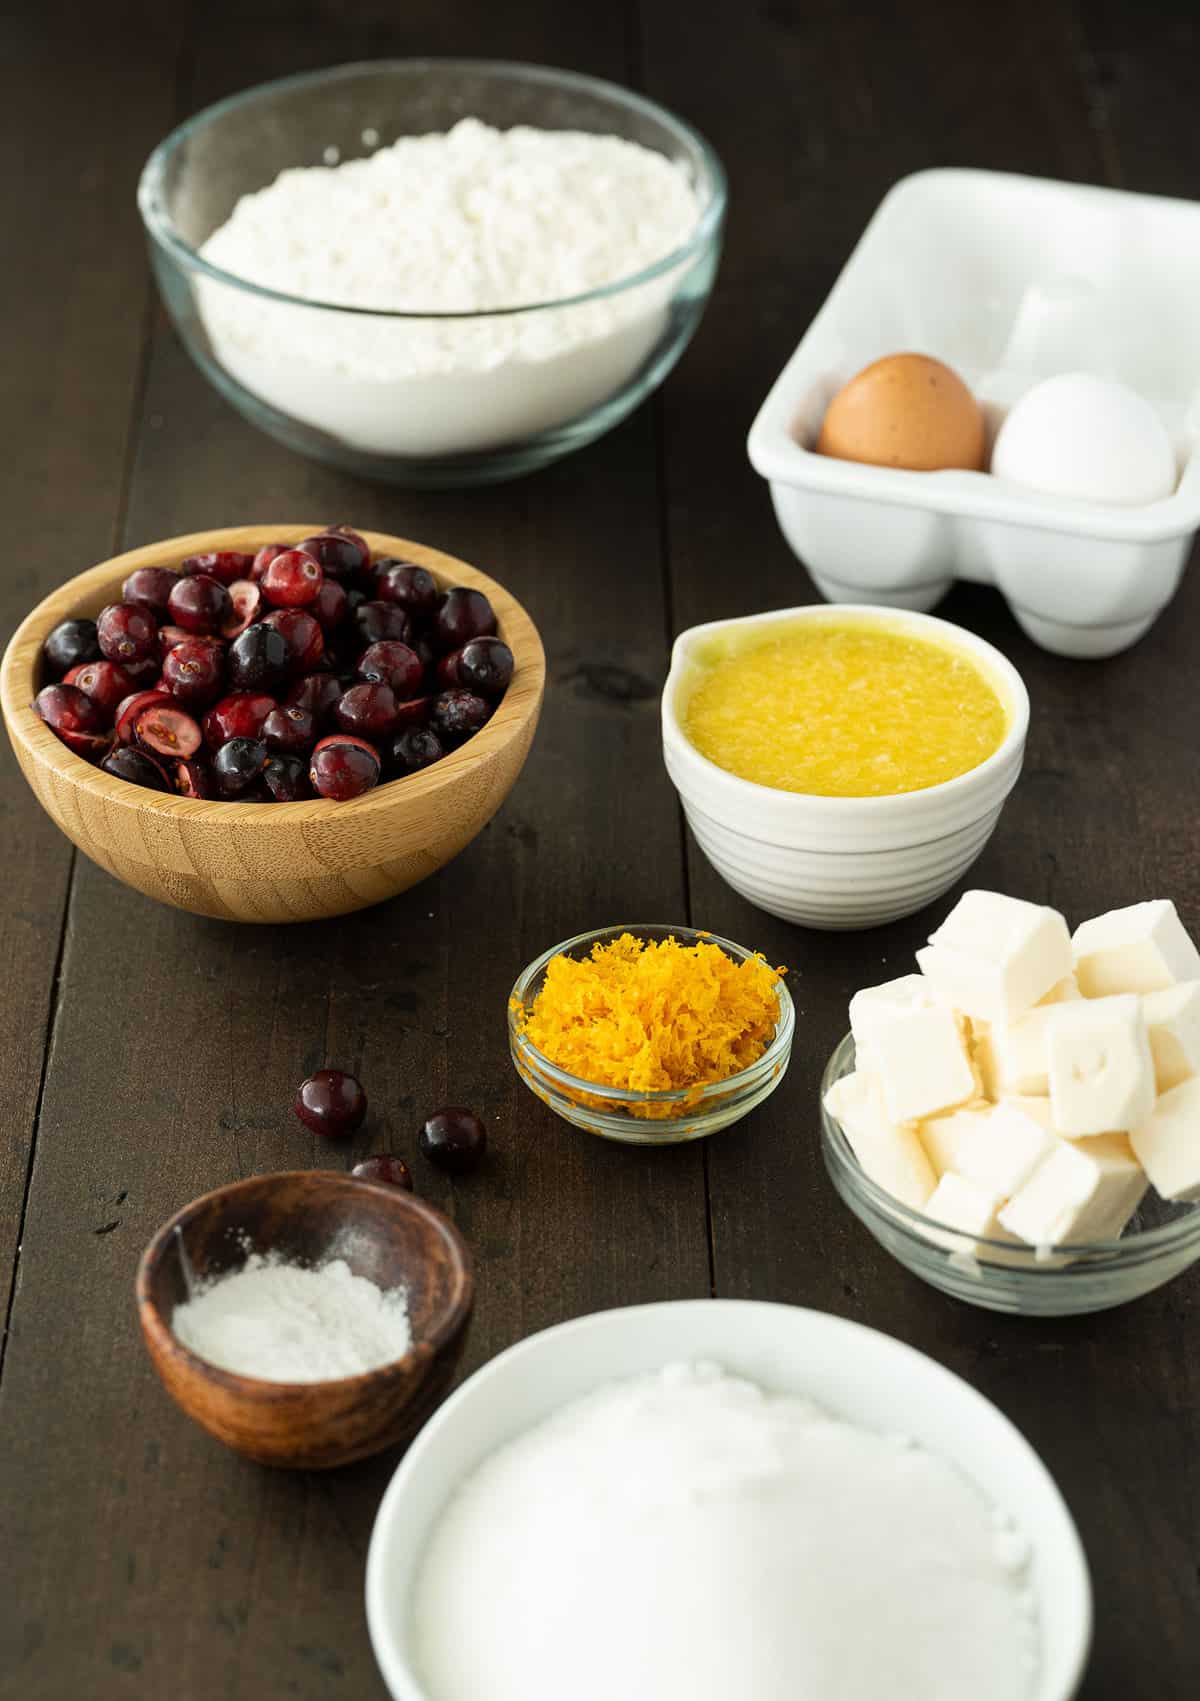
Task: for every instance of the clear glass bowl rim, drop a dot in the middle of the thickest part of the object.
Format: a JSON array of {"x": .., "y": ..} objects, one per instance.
[
  {"x": 619, "y": 1097},
  {"x": 1128, "y": 1249},
  {"x": 160, "y": 227}
]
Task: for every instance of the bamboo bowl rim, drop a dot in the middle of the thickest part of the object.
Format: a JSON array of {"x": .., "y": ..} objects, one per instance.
[{"x": 87, "y": 592}]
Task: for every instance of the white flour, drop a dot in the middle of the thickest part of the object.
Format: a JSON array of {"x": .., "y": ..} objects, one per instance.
[
  {"x": 282, "y": 1322},
  {"x": 466, "y": 221},
  {"x": 686, "y": 1537}
]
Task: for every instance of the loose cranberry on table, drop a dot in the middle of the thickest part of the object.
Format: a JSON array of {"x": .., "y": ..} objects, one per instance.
[
  {"x": 331, "y": 1102},
  {"x": 410, "y": 587},
  {"x": 292, "y": 579},
  {"x": 194, "y": 671},
  {"x": 343, "y": 767},
  {"x": 150, "y": 586},
  {"x": 392, "y": 1171},
  {"x": 105, "y": 682},
  {"x": 200, "y": 604},
  {"x": 135, "y": 766},
  {"x": 81, "y": 724},
  {"x": 454, "y": 1139},
  {"x": 126, "y": 632},
  {"x": 71, "y": 643}
]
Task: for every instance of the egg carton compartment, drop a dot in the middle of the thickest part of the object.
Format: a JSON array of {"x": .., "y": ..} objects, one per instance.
[{"x": 1009, "y": 280}]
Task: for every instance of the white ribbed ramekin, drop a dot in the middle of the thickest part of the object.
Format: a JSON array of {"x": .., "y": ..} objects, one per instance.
[{"x": 842, "y": 862}]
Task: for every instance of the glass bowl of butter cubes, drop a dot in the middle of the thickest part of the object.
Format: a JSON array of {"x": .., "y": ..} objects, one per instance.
[{"x": 1018, "y": 1122}]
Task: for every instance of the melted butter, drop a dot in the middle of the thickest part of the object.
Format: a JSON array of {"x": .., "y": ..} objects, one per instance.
[{"x": 842, "y": 708}]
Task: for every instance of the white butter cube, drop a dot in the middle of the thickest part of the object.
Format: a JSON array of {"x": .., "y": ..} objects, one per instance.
[
  {"x": 943, "y": 1136},
  {"x": 1002, "y": 1151},
  {"x": 922, "y": 1061},
  {"x": 1066, "y": 991},
  {"x": 1101, "y": 1070},
  {"x": 1021, "y": 1056},
  {"x": 1168, "y": 1142},
  {"x": 1085, "y": 1190},
  {"x": 1173, "y": 1025},
  {"x": 971, "y": 1211},
  {"x": 995, "y": 957},
  {"x": 1033, "y": 1106},
  {"x": 1139, "y": 949},
  {"x": 982, "y": 1053},
  {"x": 875, "y": 1006},
  {"x": 891, "y": 1155}
]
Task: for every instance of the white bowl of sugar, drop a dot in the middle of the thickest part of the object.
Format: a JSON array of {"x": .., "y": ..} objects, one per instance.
[{"x": 555, "y": 1475}]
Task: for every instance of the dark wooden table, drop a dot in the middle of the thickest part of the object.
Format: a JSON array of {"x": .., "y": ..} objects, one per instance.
[{"x": 146, "y": 1056}]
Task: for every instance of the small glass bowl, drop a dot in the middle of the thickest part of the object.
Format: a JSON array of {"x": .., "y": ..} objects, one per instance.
[
  {"x": 645, "y": 1119},
  {"x": 369, "y": 390},
  {"x": 1161, "y": 1241}
]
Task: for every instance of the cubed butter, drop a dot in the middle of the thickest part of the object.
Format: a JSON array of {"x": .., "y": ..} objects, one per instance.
[
  {"x": 1173, "y": 1025},
  {"x": 890, "y": 1154},
  {"x": 1101, "y": 1070},
  {"x": 983, "y": 1057},
  {"x": 1065, "y": 992},
  {"x": 1085, "y": 1190},
  {"x": 1139, "y": 949},
  {"x": 1002, "y": 1150},
  {"x": 971, "y": 1211},
  {"x": 1033, "y": 1105},
  {"x": 1019, "y": 1049},
  {"x": 1168, "y": 1142},
  {"x": 942, "y": 1136},
  {"x": 995, "y": 957},
  {"x": 922, "y": 1062},
  {"x": 875, "y": 1006}
]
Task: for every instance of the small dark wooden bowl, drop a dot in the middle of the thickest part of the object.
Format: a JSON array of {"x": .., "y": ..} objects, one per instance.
[{"x": 310, "y": 1216}]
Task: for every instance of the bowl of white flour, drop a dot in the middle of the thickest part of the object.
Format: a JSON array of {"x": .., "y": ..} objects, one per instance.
[
  {"x": 705, "y": 1499},
  {"x": 435, "y": 271}
]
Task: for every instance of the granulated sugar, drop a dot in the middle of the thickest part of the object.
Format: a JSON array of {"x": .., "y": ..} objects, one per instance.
[
  {"x": 282, "y": 1322},
  {"x": 687, "y": 1537}
]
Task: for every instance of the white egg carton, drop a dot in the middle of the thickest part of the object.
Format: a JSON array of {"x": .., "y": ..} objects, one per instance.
[{"x": 1009, "y": 280}]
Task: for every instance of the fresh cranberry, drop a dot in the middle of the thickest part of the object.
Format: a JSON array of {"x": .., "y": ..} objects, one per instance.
[
  {"x": 330, "y": 605},
  {"x": 410, "y": 587},
  {"x": 194, "y": 672},
  {"x": 223, "y": 564},
  {"x": 169, "y": 636},
  {"x": 378, "y": 622},
  {"x": 106, "y": 683},
  {"x": 342, "y": 767},
  {"x": 392, "y": 664},
  {"x": 131, "y": 707},
  {"x": 302, "y": 636},
  {"x": 286, "y": 779},
  {"x": 292, "y": 580},
  {"x": 71, "y": 643},
  {"x": 414, "y": 748},
  {"x": 200, "y": 604},
  {"x": 72, "y": 715},
  {"x": 390, "y": 1170},
  {"x": 193, "y": 779},
  {"x": 238, "y": 716},
  {"x": 264, "y": 558},
  {"x": 289, "y": 731},
  {"x": 483, "y": 665},
  {"x": 166, "y": 730},
  {"x": 319, "y": 693},
  {"x": 237, "y": 764},
  {"x": 126, "y": 632},
  {"x": 340, "y": 556},
  {"x": 458, "y": 715},
  {"x": 355, "y": 538},
  {"x": 454, "y": 1139},
  {"x": 413, "y": 713},
  {"x": 259, "y": 659},
  {"x": 248, "y": 606},
  {"x": 332, "y": 1103},
  {"x": 151, "y": 587},
  {"x": 367, "y": 711},
  {"x": 462, "y": 614},
  {"x": 136, "y": 766}
]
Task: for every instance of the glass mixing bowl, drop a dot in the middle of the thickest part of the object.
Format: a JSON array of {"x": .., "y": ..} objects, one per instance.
[
  {"x": 1160, "y": 1242},
  {"x": 428, "y": 398}
]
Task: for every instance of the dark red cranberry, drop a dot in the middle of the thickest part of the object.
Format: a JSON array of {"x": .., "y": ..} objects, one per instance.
[
  {"x": 340, "y": 556},
  {"x": 238, "y": 716},
  {"x": 302, "y": 636},
  {"x": 380, "y": 621},
  {"x": 74, "y": 717},
  {"x": 342, "y": 767},
  {"x": 194, "y": 671},
  {"x": 223, "y": 564},
  {"x": 248, "y": 606},
  {"x": 126, "y": 632},
  {"x": 237, "y": 764},
  {"x": 331, "y": 1103},
  {"x": 458, "y": 715},
  {"x": 106, "y": 683},
  {"x": 413, "y": 713},
  {"x": 392, "y": 664},
  {"x": 390, "y": 1170},
  {"x": 130, "y": 708},
  {"x": 462, "y": 614},
  {"x": 414, "y": 748},
  {"x": 292, "y": 580},
  {"x": 483, "y": 665},
  {"x": 169, "y": 636},
  {"x": 285, "y": 779},
  {"x": 136, "y": 766},
  {"x": 165, "y": 729},
  {"x": 151, "y": 587},
  {"x": 71, "y": 643},
  {"x": 200, "y": 604},
  {"x": 319, "y": 693},
  {"x": 410, "y": 587},
  {"x": 290, "y": 730},
  {"x": 192, "y": 778},
  {"x": 264, "y": 558},
  {"x": 330, "y": 605},
  {"x": 367, "y": 711},
  {"x": 259, "y": 659},
  {"x": 355, "y": 538},
  {"x": 454, "y": 1139}
]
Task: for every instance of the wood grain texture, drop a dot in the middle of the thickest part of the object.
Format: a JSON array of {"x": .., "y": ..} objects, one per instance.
[{"x": 265, "y": 862}]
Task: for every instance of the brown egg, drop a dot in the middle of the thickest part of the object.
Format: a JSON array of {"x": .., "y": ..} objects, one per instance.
[{"x": 906, "y": 410}]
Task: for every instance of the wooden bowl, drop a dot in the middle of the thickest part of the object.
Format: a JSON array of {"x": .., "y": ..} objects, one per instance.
[
  {"x": 271, "y": 862},
  {"x": 384, "y": 1234}
]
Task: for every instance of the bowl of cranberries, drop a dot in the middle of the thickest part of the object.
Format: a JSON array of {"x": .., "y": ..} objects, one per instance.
[{"x": 274, "y": 723}]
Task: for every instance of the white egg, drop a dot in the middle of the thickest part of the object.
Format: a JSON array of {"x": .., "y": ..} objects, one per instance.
[{"x": 1088, "y": 438}]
